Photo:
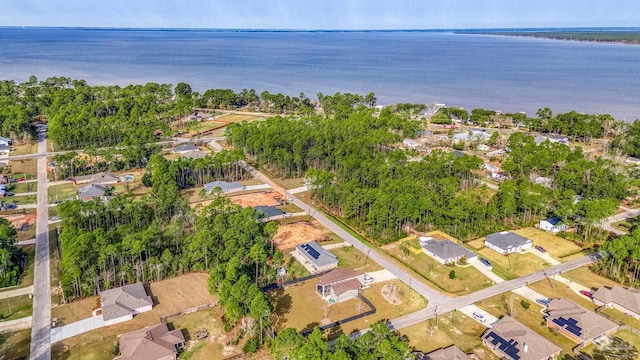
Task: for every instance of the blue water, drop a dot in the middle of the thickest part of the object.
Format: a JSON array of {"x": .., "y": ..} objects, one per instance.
[{"x": 504, "y": 73}]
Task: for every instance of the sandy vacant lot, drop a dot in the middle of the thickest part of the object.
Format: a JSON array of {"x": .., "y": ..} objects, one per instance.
[
  {"x": 256, "y": 199},
  {"x": 290, "y": 235},
  {"x": 18, "y": 219}
]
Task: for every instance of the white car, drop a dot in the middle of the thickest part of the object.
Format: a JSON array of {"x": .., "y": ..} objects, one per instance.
[{"x": 478, "y": 316}]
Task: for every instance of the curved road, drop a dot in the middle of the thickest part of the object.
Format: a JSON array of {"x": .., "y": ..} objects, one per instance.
[{"x": 41, "y": 323}]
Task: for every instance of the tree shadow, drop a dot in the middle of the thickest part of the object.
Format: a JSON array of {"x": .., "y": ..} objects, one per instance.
[
  {"x": 309, "y": 327},
  {"x": 147, "y": 288},
  {"x": 334, "y": 332},
  {"x": 282, "y": 304}
]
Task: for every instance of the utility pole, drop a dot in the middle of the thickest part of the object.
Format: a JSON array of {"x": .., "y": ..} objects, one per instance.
[{"x": 437, "y": 316}]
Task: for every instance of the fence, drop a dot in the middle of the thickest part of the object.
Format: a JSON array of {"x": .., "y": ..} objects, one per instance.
[
  {"x": 291, "y": 282},
  {"x": 372, "y": 310},
  {"x": 164, "y": 318}
]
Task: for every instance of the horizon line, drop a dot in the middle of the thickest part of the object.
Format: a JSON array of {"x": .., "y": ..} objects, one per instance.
[{"x": 578, "y": 28}]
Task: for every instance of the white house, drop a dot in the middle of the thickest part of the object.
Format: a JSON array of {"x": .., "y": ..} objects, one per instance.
[
  {"x": 554, "y": 225},
  {"x": 5, "y": 141},
  {"x": 120, "y": 304},
  {"x": 507, "y": 242},
  {"x": 340, "y": 285},
  {"x": 410, "y": 143}
]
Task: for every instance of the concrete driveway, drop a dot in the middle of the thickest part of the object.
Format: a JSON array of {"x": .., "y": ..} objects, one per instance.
[
  {"x": 486, "y": 272},
  {"x": 486, "y": 319},
  {"x": 76, "y": 328}
]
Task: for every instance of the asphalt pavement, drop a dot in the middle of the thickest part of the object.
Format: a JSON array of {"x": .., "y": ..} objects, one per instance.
[{"x": 41, "y": 323}]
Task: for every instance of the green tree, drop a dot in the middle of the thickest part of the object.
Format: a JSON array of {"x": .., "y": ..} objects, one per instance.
[{"x": 452, "y": 274}]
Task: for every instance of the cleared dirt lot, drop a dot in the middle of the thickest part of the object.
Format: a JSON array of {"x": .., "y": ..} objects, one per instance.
[
  {"x": 256, "y": 199},
  {"x": 18, "y": 219},
  {"x": 290, "y": 235}
]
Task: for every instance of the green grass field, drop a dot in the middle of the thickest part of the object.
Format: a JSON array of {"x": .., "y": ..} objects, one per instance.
[
  {"x": 558, "y": 247},
  {"x": 62, "y": 192},
  {"x": 16, "y": 307},
  {"x": 588, "y": 278},
  {"x": 513, "y": 266},
  {"x": 350, "y": 258}
]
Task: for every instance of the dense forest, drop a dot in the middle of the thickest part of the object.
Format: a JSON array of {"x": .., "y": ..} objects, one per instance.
[
  {"x": 358, "y": 174},
  {"x": 11, "y": 258},
  {"x": 623, "y": 262},
  {"x": 377, "y": 344}
]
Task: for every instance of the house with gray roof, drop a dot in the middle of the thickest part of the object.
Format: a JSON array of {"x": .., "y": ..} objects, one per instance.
[
  {"x": 509, "y": 339},
  {"x": 225, "y": 186},
  {"x": 91, "y": 191},
  {"x": 5, "y": 141},
  {"x": 269, "y": 211},
  {"x": 560, "y": 139},
  {"x": 507, "y": 242},
  {"x": 102, "y": 178},
  {"x": 624, "y": 300},
  {"x": 121, "y": 303},
  {"x": 340, "y": 285},
  {"x": 448, "y": 353},
  {"x": 577, "y": 323},
  {"x": 314, "y": 257},
  {"x": 154, "y": 342},
  {"x": 446, "y": 251},
  {"x": 184, "y": 148},
  {"x": 193, "y": 154}
]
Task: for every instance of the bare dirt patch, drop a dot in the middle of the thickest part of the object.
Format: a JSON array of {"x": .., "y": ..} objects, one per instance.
[
  {"x": 256, "y": 199},
  {"x": 17, "y": 220},
  {"x": 290, "y": 235},
  {"x": 391, "y": 293}
]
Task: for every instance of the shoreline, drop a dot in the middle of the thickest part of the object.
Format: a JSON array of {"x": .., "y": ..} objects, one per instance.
[{"x": 538, "y": 35}]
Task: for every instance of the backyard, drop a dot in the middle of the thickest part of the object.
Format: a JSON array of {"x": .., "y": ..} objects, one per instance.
[
  {"x": 62, "y": 192},
  {"x": 558, "y": 247},
  {"x": 23, "y": 169},
  {"x": 350, "y": 258},
  {"x": 24, "y": 149}
]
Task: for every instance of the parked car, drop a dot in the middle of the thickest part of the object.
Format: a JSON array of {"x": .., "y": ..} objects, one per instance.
[
  {"x": 478, "y": 316},
  {"x": 543, "y": 302},
  {"x": 11, "y": 206},
  {"x": 586, "y": 293},
  {"x": 55, "y": 218},
  {"x": 485, "y": 262},
  {"x": 540, "y": 248}
]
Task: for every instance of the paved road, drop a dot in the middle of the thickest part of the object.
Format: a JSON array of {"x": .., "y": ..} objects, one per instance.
[
  {"x": 41, "y": 325},
  {"x": 407, "y": 278},
  {"x": 16, "y": 292},
  {"x": 607, "y": 224}
]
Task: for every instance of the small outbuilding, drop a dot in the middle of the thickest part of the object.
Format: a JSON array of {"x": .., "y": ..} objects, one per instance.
[
  {"x": 340, "y": 285},
  {"x": 314, "y": 257},
  {"x": 554, "y": 225},
  {"x": 446, "y": 251},
  {"x": 506, "y": 242}
]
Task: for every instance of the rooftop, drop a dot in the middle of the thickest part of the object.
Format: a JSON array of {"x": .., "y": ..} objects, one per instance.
[
  {"x": 338, "y": 275},
  {"x": 91, "y": 190},
  {"x": 445, "y": 249},
  {"x": 518, "y": 342},
  {"x": 506, "y": 239},
  {"x": 123, "y": 300},
  {"x": 151, "y": 343},
  {"x": 186, "y": 147},
  {"x": 99, "y": 178},
  {"x": 317, "y": 254},
  {"x": 449, "y": 353},
  {"x": 223, "y": 185},
  {"x": 577, "y": 320},
  {"x": 270, "y": 211},
  {"x": 626, "y": 298}
]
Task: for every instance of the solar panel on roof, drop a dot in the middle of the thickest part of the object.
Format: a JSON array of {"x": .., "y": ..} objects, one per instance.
[
  {"x": 507, "y": 347},
  {"x": 571, "y": 325},
  {"x": 311, "y": 251}
]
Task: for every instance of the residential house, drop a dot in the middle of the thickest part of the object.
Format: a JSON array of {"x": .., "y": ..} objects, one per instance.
[
  {"x": 491, "y": 168},
  {"x": 193, "y": 154},
  {"x": 121, "y": 303},
  {"x": 102, "y": 178},
  {"x": 474, "y": 135},
  {"x": 314, "y": 257},
  {"x": 506, "y": 242},
  {"x": 577, "y": 323},
  {"x": 554, "y": 225},
  {"x": 269, "y": 211},
  {"x": 91, "y": 191},
  {"x": 624, "y": 300},
  {"x": 498, "y": 152},
  {"x": 184, "y": 148},
  {"x": 449, "y": 353},
  {"x": 225, "y": 186},
  {"x": 560, "y": 139},
  {"x": 5, "y": 141},
  {"x": 340, "y": 285},
  {"x": 446, "y": 251},
  {"x": 154, "y": 342},
  {"x": 632, "y": 161},
  {"x": 509, "y": 339},
  {"x": 410, "y": 143}
]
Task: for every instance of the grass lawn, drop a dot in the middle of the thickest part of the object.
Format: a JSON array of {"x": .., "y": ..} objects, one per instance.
[
  {"x": 555, "y": 245},
  {"x": 295, "y": 270},
  {"x": 22, "y": 168},
  {"x": 532, "y": 318},
  {"x": 300, "y": 307},
  {"x": 54, "y": 265},
  {"x": 453, "y": 328},
  {"x": 18, "y": 345},
  {"x": 27, "y": 275},
  {"x": 624, "y": 334},
  {"x": 350, "y": 258},
  {"x": 290, "y": 208},
  {"x": 211, "y": 348},
  {"x": 623, "y": 318},
  {"x": 169, "y": 295},
  {"x": 515, "y": 265},
  {"x": 23, "y": 187},
  {"x": 287, "y": 184},
  {"x": 133, "y": 187},
  {"x": 560, "y": 290},
  {"x": 238, "y": 118},
  {"x": 22, "y": 200},
  {"x": 62, "y": 192},
  {"x": 16, "y": 307},
  {"x": 293, "y": 220},
  {"x": 30, "y": 233},
  {"x": 26, "y": 149},
  {"x": 468, "y": 279},
  {"x": 588, "y": 278}
]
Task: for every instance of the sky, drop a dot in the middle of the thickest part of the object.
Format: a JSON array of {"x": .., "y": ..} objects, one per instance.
[{"x": 321, "y": 14}]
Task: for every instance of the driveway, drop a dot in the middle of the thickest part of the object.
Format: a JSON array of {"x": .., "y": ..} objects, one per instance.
[
  {"x": 76, "y": 328},
  {"x": 529, "y": 294},
  {"x": 381, "y": 276},
  {"x": 487, "y": 272},
  {"x": 544, "y": 256},
  {"x": 16, "y": 292},
  {"x": 481, "y": 316}
]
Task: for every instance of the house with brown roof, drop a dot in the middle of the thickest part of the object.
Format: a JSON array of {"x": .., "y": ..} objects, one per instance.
[
  {"x": 577, "y": 323},
  {"x": 340, "y": 285},
  {"x": 509, "y": 339},
  {"x": 121, "y": 303},
  {"x": 154, "y": 342},
  {"x": 619, "y": 298},
  {"x": 101, "y": 178},
  {"x": 449, "y": 353}
]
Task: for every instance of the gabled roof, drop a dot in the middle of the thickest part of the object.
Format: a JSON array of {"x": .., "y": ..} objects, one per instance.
[
  {"x": 577, "y": 320},
  {"x": 185, "y": 147},
  {"x": 316, "y": 254},
  {"x": 151, "y": 343},
  {"x": 2, "y": 138},
  {"x": 510, "y": 337},
  {"x": 338, "y": 275},
  {"x": 91, "y": 190},
  {"x": 626, "y": 298},
  {"x": 99, "y": 178},
  {"x": 506, "y": 240},
  {"x": 445, "y": 249},
  {"x": 449, "y": 353},
  {"x": 193, "y": 154},
  {"x": 123, "y": 300},
  {"x": 270, "y": 211},
  {"x": 223, "y": 185},
  {"x": 343, "y": 287},
  {"x": 553, "y": 221}
]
